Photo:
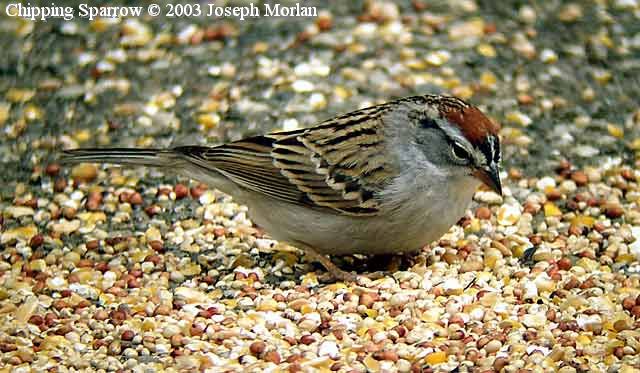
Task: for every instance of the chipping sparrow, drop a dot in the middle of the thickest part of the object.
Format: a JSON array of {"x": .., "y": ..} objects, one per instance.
[{"x": 385, "y": 179}]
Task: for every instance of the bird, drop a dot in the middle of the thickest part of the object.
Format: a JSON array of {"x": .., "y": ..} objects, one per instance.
[{"x": 386, "y": 179}]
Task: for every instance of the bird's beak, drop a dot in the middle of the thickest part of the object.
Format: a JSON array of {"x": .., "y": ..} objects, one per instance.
[{"x": 490, "y": 176}]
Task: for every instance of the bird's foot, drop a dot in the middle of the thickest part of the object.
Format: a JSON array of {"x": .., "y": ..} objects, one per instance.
[
  {"x": 334, "y": 273},
  {"x": 338, "y": 276},
  {"x": 349, "y": 277}
]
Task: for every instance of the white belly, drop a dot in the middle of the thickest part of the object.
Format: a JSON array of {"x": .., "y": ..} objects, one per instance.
[
  {"x": 407, "y": 223},
  {"x": 406, "y": 229}
]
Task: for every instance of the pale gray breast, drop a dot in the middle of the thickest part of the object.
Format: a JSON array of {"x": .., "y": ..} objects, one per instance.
[{"x": 418, "y": 222}]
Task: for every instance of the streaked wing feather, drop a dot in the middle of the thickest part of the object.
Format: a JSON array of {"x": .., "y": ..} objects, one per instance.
[
  {"x": 347, "y": 153},
  {"x": 338, "y": 166},
  {"x": 248, "y": 163}
]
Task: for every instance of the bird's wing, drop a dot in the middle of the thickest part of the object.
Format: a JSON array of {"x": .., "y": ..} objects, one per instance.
[
  {"x": 247, "y": 163},
  {"x": 337, "y": 166}
]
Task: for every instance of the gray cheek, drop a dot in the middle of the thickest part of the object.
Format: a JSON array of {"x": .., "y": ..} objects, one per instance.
[
  {"x": 461, "y": 173},
  {"x": 434, "y": 148}
]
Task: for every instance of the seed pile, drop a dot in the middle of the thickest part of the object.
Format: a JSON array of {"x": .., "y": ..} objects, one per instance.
[{"x": 545, "y": 278}]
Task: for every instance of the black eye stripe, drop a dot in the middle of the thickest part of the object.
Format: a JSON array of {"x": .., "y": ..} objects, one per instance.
[
  {"x": 490, "y": 147},
  {"x": 427, "y": 122}
]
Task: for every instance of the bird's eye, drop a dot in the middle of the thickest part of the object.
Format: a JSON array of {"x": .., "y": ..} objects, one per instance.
[{"x": 459, "y": 152}]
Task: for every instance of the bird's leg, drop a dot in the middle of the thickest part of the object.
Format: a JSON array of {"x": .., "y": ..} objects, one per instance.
[{"x": 335, "y": 272}]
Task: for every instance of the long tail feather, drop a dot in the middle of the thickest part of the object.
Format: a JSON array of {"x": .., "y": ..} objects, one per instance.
[{"x": 128, "y": 156}]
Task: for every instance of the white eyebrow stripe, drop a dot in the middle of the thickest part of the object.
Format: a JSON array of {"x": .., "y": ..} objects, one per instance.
[
  {"x": 495, "y": 155},
  {"x": 491, "y": 147}
]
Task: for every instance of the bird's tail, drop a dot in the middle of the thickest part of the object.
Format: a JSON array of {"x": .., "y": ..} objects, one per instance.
[{"x": 125, "y": 156}]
